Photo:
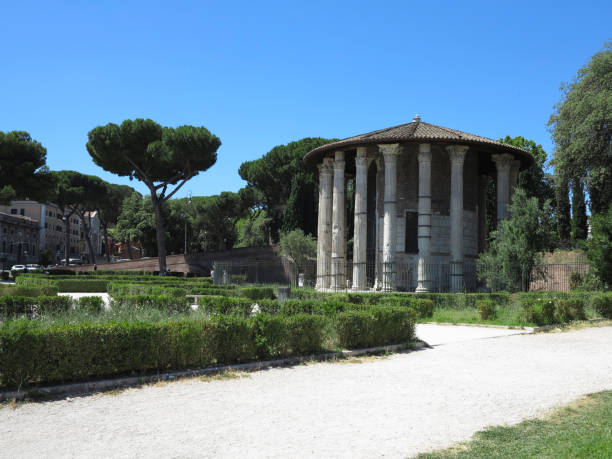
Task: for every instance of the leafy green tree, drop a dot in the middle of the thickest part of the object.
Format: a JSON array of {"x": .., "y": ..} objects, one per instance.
[
  {"x": 216, "y": 219},
  {"x": 286, "y": 189},
  {"x": 23, "y": 170},
  {"x": 298, "y": 246},
  {"x": 514, "y": 249},
  {"x": 599, "y": 247},
  {"x": 109, "y": 208},
  {"x": 253, "y": 231},
  {"x": 534, "y": 180},
  {"x": 563, "y": 208},
  {"x": 160, "y": 157},
  {"x": 579, "y": 216},
  {"x": 581, "y": 128},
  {"x": 136, "y": 223}
]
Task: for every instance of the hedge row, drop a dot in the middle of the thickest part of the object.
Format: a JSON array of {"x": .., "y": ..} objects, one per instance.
[
  {"x": 172, "y": 304},
  {"x": 15, "y": 306},
  {"x": 18, "y": 290},
  {"x": 602, "y": 303},
  {"x": 547, "y": 310},
  {"x": 35, "y": 353}
]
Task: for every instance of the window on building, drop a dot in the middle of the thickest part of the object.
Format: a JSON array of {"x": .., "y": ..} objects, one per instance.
[
  {"x": 13, "y": 211},
  {"x": 22, "y": 211},
  {"x": 412, "y": 232},
  {"x": 46, "y": 225}
]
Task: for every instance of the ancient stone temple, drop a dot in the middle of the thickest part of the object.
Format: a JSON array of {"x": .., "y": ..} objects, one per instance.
[{"x": 420, "y": 199}]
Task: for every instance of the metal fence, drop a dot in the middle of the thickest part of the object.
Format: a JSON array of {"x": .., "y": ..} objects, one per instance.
[
  {"x": 381, "y": 276},
  {"x": 559, "y": 277}
]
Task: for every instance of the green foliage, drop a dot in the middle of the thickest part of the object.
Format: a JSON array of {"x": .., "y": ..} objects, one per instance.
[
  {"x": 220, "y": 305},
  {"x": 82, "y": 285},
  {"x": 11, "y": 306},
  {"x": 581, "y": 129},
  {"x": 159, "y": 157},
  {"x": 551, "y": 308},
  {"x": 534, "y": 180},
  {"x": 374, "y": 327},
  {"x": 24, "y": 173},
  {"x": 486, "y": 309},
  {"x": 579, "y": 216},
  {"x": 253, "y": 231},
  {"x": 36, "y": 352},
  {"x": 171, "y": 304},
  {"x": 298, "y": 247},
  {"x": 515, "y": 247},
  {"x": 599, "y": 247},
  {"x": 285, "y": 189},
  {"x": 563, "y": 208},
  {"x": 257, "y": 293},
  {"x": 92, "y": 304},
  {"x": 602, "y": 303}
]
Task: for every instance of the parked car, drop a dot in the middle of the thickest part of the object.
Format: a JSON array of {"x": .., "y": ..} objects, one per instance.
[
  {"x": 18, "y": 268},
  {"x": 34, "y": 267}
]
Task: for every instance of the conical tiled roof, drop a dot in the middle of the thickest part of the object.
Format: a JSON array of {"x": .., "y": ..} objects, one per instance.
[{"x": 420, "y": 132}]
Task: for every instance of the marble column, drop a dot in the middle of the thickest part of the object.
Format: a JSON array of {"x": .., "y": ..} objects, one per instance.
[
  {"x": 324, "y": 235},
  {"x": 424, "y": 230},
  {"x": 502, "y": 163},
  {"x": 360, "y": 241},
  {"x": 390, "y": 153},
  {"x": 338, "y": 261},
  {"x": 456, "y": 155},
  {"x": 515, "y": 166},
  {"x": 483, "y": 186}
]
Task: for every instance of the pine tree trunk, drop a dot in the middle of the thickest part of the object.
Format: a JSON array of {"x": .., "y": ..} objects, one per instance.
[
  {"x": 106, "y": 244},
  {"x": 161, "y": 239}
]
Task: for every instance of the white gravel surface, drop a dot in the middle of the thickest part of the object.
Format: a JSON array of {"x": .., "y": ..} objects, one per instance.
[{"x": 392, "y": 407}]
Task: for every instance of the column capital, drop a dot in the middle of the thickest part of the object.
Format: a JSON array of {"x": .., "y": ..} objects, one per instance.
[
  {"x": 339, "y": 161},
  {"x": 326, "y": 166},
  {"x": 424, "y": 153},
  {"x": 515, "y": 165},
  {"x": 503, "y": 160},
  {"x": 456, "y": 153},
  {"x": 362, "y": 152},
  {"x": 339, "y": 155},
  {"x": 388, "y": 149}
]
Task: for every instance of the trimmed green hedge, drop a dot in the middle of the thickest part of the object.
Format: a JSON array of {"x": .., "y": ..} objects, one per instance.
[
  {"x": 550, "y": 308},
  {"x": 223, "y": 305},
  {"x": 602, "y": 303},
  {"x": 257, "y": 293},
  {"x": 18, "y": 290},
  {"x": 376, "y": 326},
  {"x": 34, "y": 353},
  {"x": 82, "y": 286},
  {"x": 172, "y": 304},
  {"x": 11, "y": 306}
]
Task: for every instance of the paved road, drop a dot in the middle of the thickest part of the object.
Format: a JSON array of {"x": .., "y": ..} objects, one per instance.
[{"x": 392, "y": 407}]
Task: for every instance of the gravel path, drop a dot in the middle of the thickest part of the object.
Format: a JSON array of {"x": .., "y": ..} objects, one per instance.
[{"x": 393, "y": 407}]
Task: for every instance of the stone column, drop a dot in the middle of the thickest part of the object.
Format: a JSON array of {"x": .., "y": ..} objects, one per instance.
[
  {"x": 483, "y": 186},
  {"x": 515, "y": 166},
  {"x": 456, "y": 154},
  {"x": 360, "y": 241},
  {"x": 390, "y": 153},
  {"x": 324, "y": 224},
  {"x": 502, "y": 163},
  {"x": 424, "y": 230},
  {"x": 338, "y": 261}
]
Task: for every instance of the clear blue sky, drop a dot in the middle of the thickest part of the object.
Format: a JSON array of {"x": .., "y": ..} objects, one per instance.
[{"x": 260, "y": 74}]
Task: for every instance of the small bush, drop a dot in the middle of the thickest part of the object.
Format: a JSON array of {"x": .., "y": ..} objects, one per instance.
[
  {"x": 602, "y": 303},
  {"x": 223, "y": 305},
  {"x": 567, "y": 310},
  {"x": 486, "y": 309},
  {"x": 171, "y": 304},
  {"x": 540, "y": 311},
  {"x": 12, "y": 306},
  {"x": 304, "y": 333},
  {"x": 270, "y": 335},
  {"x": 94, "y": 304},
  {"x": 18, "y": 290},
  {"x": 374, "y": 327},
  {"x": 82, "y": 285},
  {"x": 546, "y": 308},
  {"x": 257, "y": 293}
]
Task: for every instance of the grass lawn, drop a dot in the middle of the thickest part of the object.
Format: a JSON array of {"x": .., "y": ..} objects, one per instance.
[
  {"x": 580, "y": 429},
  {"x": 505, "y": 316}
]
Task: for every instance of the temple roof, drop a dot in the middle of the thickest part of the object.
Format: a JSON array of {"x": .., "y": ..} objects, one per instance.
[{"x": 420, "y": 132}]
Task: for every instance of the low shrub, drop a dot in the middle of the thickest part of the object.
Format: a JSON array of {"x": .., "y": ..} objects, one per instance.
[
  {"x": 62, "y": 272},
  {"x": 82, "y": 285},
  {"x": 94, "y": 304},
  {"x": 12, "y": 306},
  {"x": 486, "y": 309},
  {"x": 34, "y": 352},
  {"x": 257, "y": 293},
  {"x": 171, "y": 304},
  {"x": 423, "y": 308},
  {"x": 269, "y": 306},
  {"x": 19, "y": 290},
  {"x": 551, "y": 308},
  {"x": 376, "y": 326},
  {"x": 602, "y": 303},
  {"x": 223, "y": 305}
]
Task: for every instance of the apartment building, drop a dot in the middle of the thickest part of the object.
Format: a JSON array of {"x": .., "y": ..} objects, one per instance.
[
  {"x": 19, "y": 240},
  {"x": 51, "y": 221}
]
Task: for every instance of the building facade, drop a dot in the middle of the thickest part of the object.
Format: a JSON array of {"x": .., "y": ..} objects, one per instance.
[
  {"x": 50, "y": 219},
  {"x": 19, "y": 240},
  {"x": 420, "y": 198}
]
